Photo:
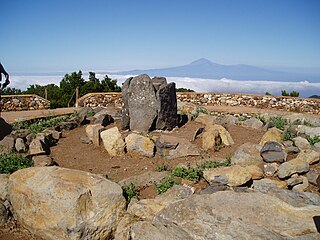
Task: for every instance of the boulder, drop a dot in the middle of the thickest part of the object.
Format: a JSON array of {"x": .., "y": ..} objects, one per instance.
[
  {"x": 210, "y": 140},
  {"x": 4, "y": 178},
  {"x": 147, "y": 208},
  {"x": 55, "y": 135},
  {"x": 255, "y": 171},
  {"x": 175, "y": 147},
  {"x": 103, "y": 118},
  {"x": 7, "y": 144},
  {"x": 19, "y": 145},
  {"x": 307, "y": 130},
  {"x": 291, "y": 167},
  {"x": 140, "y": 145},
  {"x": 93, "y": 132},
  {"x": 264, "y": 185},
  {"x": 112, "y": 141},
  {"x": 273, "y": 134},
  {"x": 225, "y": 136},
  {"x": 21, "y": 133},
  {"x": 308, "y": 155},
  {"x": 303, "y": 186},
  {"x": 145, "y": 108},
  {"x": 65, "y": 204},
  {"x": 42, "y": 161},
  {"x": 272, "y": 152},
  {"x": 301, "y": 143},
  {"x": 232, "y": 176},
  {"x": 247, "y": 154},
  {"x": 270, "y": 169},
  {"x": 312, "y": 176},
  {"x": 293, "y": 198},
  {"x": 39, "y": 145},
  {"x": 253, "y": 123},
  {"x": 232, "y": 215}
]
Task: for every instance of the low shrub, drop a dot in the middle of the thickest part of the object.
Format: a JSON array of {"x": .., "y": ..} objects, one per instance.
[
  {"x": 162, "y": 168},
  {"x": 288, "y": 135},
  {"x": 167, "y": 184},
  {"x": 130, "y": 191},
  {"x": 313, "y": 140},
  {"x": 10, "y": 163},
  {"x": 279, "y": 122}
]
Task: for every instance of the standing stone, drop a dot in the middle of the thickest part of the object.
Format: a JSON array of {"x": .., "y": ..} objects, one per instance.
[
  {"x": 148, "y": 104},
  {"x": 64, "y": 204},
  {"x": 167, "y": 113},
  {"x": 112, "y": 141},
  {"x": 139, "y": 95}
]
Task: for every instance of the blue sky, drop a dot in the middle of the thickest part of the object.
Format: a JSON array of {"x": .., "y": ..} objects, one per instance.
[{"x": 56, "y": 35}]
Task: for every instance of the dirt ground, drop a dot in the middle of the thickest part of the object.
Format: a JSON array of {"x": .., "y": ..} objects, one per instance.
[{"x": 71, "y": 152}]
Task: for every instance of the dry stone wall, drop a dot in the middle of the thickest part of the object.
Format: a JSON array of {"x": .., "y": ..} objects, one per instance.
[
  {"x": 23, "y": 102},
  {"x": 303, "y": 105}
]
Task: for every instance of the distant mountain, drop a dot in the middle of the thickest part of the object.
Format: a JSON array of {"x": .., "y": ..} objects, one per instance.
[{"x": 203, "y": 68}]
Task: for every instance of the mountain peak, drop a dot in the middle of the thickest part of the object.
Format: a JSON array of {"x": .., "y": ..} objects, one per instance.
[{"x": 202, "y": 61}]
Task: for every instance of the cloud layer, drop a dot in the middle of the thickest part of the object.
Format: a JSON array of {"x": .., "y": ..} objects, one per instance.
[{"x": 305, "y": 89}]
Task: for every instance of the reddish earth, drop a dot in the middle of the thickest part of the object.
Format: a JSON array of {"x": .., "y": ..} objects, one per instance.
[{"x": 70, "y": 152}]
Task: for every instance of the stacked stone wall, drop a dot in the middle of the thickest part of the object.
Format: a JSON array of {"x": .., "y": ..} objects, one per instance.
[
  {"x": 303, "y": 105},
  {"x": 23, "y": 102}
]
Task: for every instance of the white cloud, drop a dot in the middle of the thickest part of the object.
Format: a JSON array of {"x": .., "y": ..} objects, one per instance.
[{"x": 198, "y": 84}]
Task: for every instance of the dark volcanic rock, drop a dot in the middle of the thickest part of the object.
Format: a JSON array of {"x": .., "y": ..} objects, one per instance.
[
  {"x": 148, "y": 104},
  {"x": 167, "y": 115},
  {"x": 272, "y": 152}
]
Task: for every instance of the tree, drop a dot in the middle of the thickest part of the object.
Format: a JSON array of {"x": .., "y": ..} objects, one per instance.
[
  {"x": 294, "y": 94},
  {"x": 284, "y": 93},
  {"x": 110, "y": 85},
  {"x": 10, "y": 91},
  {"x": 184, "y": 90}
]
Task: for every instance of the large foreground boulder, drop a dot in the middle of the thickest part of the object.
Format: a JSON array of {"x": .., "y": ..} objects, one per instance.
[
  {"x": 148, "y": 104},
  {"x": 229, "y": 215},
  {"x": 59, "y": 203}
]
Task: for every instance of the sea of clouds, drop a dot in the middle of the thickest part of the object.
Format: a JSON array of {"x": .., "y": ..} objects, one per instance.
[{"x": 305, "y": 88}]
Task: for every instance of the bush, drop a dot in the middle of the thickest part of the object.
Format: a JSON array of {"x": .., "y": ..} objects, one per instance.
[
  {"x": 279, "y": 122},
  {"x": 288, "y": 135},
  {"x": 162, "y": 168},
  {"x": 130, "y": 191},
  {"x": 10, "y": 163}
]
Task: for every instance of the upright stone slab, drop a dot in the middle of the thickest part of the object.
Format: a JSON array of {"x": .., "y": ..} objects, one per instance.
[
  {"x": 167, "y": 114},
  {"x": 141, "y": 101},
  {"x": 148, "y": 104}
]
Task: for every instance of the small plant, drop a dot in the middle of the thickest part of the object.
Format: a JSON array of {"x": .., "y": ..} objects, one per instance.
[
  {"x": 307, "y": 123},
  {"x": 163, "y": 168},
  {"x": 261, "y": 118},
  {"x": 10, "y": 163},
  {"x": 313, "y": 140},
  {"x": 279, "y": 122},
  {"x": 288, "y": 135},
  {"x": 167, "y": 184},
  {"x": 200, "y": 110},
  {"x": 90, "y": 114},
  {"x": 227, "y": 162},
  {"x": 130, "y": 191}
]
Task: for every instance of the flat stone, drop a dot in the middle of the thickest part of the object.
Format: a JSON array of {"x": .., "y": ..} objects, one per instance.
[
  {"x": 272, "y": 152},
  {"x": 272, "y": 135},
  {"x": 253, "y": 123},
  {"x": 301, "y": 143},
  {"x": 302, "y": 187},
  {"x": 231, "y": 176},
  {"x": 312, "y": 176},
  {"x": 247, "y": 154},
  {"x": 293, "y": 166},
  {"x": 270, "y": 169}
]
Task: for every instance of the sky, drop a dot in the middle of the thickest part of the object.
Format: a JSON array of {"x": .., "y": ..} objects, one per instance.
[{"x": 69, "y": 35}]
